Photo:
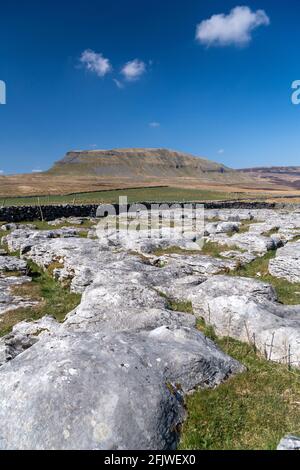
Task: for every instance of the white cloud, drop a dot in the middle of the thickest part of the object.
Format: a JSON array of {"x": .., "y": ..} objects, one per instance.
[
  {"x": 37, "y": 171},
  {"x": 118, "y": 83},
  {"x": 232, "y": 29},
  {"x": 133, "y": 70},
  {"x": 221, "y": 151},
  {"x": 95, "y": 62},
  {"x": 154, "y": 124}
]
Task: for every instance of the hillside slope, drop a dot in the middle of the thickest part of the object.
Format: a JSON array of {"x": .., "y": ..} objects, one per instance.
[
  {"x": 277, "y": 175},
  {"x": 137, "y": 163}
]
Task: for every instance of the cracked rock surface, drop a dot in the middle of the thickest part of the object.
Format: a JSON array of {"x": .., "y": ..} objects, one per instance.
[
  {"x": 114, "y": 374},
  {"x": 286, "y": 264}
]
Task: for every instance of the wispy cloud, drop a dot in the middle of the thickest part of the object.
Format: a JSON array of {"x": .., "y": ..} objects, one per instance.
[
  {"x": 221, "y": 151},
  {"x": 95, "y": 62},
  {"x": 118, "y": 83},
  {"x": 36, "y": 171},
  {"x": 232, "y": 29},
  {"x": 133, "y": 70},
  {"x": 154, "y": 124}
]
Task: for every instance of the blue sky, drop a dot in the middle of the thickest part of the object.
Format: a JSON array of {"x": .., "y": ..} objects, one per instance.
[{"x": 72, "y": 83}]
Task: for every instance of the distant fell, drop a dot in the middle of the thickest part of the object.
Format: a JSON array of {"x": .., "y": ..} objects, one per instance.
[{"x": 285, "y": 176}]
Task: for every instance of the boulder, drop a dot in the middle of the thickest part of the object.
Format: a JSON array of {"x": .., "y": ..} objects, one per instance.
[
  {"x": 286, "y": 264},
  {"x": 289, "y": 442},
  {"x": 247, "y": 310},
  {"x": 12, "y": 264},
  {"x": 116, "y": 391}
]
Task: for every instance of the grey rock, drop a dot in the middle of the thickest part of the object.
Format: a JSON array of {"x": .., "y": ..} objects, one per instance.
[
  {"x": 11, "y": 263},
  {"x": 221, "y": 227},
  {"x": 247, "y": 310},
  {"x": 12, "y": 226},
  {"x": 69, "y": 220},
  {"x": 198, "y": 264},
  {"x": 122, "y": 359},
  {"x": 85, "y": 391},
  {"x": 23, "y": 336},
  {"x": 251, "y": 242},
  {"x": 289, "y": 442},
  {"x": 24, "y": 240},
  {"x": 8, "y": 300},
  {"x": 286, "y": 264}
]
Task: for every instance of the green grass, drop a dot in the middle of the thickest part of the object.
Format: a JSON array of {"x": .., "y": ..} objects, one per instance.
[
  {"x": 216, "y": 250},
  {"x": 165, "y": 194},
  {"x": 288, "y": 293},
  {"x": 177, "y": 305},
  {"x": 175, "y": 250},
  {"x": 181, "y": 306},
  {"x": 250, "y": 411},
  {"x": 44, "y": 225},
  {"x": 54, "y": 300}
]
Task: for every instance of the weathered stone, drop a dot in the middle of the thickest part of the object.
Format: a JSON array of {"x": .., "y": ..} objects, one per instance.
[
  {"x": 24, "y": 240},
  {"x": 198, "y": 264},
  {"x": 8, "y": 300},
  {"x": 12, "y": 226},
  {"x": 84, "y": 391},
  {"x": 11, "y": 263},
  {"x": 286, "y": 264},
  {"x": 23, "y": 336},
  {"x": 251, "y": 242},
  {"x": 289, "y": 442},
  {"x": 221, "y": 227},
  {"x": 247, "y": 310},
  {"x": 123, "y": 359}
]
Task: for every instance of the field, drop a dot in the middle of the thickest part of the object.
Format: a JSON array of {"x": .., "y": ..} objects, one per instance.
[
  {"x": 155, "y": 194},
  {"x": 46, "y": 189}
]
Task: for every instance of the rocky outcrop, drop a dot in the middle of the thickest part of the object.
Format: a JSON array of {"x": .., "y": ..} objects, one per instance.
[
  {"x": 114, "y": 374},
  {"x": 10, "y": 264},
  {"x": 286, "y": 264},
  {"x": 247, "y": 310},
  {"x": 121, "y": 361},
  {"x": 105, "y": 391}
]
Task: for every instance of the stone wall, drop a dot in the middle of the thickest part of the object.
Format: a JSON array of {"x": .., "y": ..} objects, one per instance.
[{"x": 51, "y": 212}]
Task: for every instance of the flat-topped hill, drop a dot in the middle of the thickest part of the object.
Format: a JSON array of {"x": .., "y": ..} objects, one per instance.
[{"x": 137, "y": 163}]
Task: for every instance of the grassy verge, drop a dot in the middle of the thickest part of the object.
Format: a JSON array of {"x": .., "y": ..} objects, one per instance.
[
  {"x": 54, "y": 300},
  {"x": 252, "y": 410}
]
